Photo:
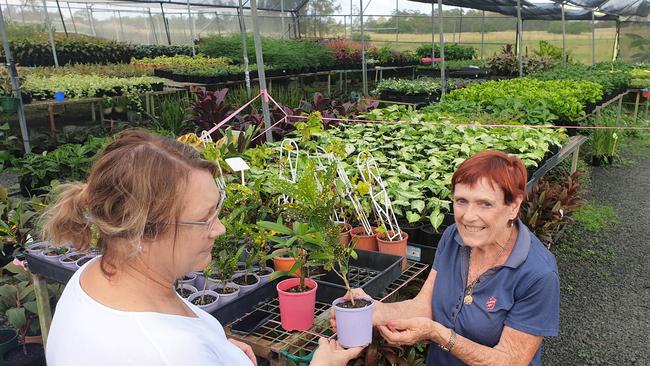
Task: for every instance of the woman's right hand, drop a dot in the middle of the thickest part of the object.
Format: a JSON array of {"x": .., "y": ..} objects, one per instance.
[
  {"x": 357, "y": 293},
  {"x": 330, "y": 353}
]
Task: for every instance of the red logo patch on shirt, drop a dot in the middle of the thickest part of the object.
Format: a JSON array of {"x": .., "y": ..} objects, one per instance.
[{"x": 491, "y": 303}]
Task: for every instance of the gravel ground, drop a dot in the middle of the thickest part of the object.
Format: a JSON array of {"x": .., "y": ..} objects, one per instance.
[{"x": 605, "y": 276}]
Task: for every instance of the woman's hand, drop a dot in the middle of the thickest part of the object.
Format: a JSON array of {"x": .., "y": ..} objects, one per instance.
[
  {"x": 330, "y": 353},
  {"x": 409, "y": 331},
  {"x": 246, "y": 349},
  {"x": 357, "y": 293}
]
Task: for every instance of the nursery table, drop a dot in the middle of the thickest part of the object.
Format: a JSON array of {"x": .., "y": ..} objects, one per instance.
[
  {"x": 51, "y": 105},
  {"x": 278, "y": 346},
  {"x": 572, "y": 147}
]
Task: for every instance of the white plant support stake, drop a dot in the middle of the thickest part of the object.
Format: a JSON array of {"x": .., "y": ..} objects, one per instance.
[
  {"x": 205, "y": 138},
  {"x": 348, "y": 190},
  {"x": 289, "y": 148},
  {"x": 369, "y": 171}
]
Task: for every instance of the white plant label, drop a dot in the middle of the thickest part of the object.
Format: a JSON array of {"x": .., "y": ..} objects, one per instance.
[{"x": 237, "y": 164}]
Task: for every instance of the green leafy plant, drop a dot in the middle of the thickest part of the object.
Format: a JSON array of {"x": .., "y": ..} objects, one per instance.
[{"x": 427, "y": 86}]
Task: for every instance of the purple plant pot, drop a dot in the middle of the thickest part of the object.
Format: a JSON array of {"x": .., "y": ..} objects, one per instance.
[
  {"x": 226, "y": 298},
  {"x": 354, "y": 326},
  {"x": 209, "y": 307},
  {"x": 83, "y": 260}
]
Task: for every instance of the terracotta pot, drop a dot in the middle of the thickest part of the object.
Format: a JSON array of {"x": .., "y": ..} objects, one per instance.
[
  {"x": 393, "y": 247},
  {"x": 344, "y": 235},
  {"x": 285, "y": 264},
  {"x": 362, "y": 240}
]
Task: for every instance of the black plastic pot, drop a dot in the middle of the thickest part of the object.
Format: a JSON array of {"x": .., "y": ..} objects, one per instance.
[{"x": 413, "y": 230}]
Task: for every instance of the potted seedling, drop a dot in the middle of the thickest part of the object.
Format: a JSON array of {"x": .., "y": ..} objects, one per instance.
[
  {"x": 353, "y": 316},
  {"x": 205, "y": 299},
  {"x": 186, "y": 290},
  {"x": 259, "y": 250},
  {"x": 247, "y": 280},
  {"x": 226, "y": 263}
]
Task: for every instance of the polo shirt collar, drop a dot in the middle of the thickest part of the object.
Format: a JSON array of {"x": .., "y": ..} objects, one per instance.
[{"x": 519, "y": 252}]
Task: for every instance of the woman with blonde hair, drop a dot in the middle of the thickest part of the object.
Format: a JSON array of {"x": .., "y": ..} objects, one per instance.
[{"x": 155, "y": 204}]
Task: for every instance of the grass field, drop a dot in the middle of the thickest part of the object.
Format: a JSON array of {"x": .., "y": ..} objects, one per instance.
[{"x": 579, "y": 45}]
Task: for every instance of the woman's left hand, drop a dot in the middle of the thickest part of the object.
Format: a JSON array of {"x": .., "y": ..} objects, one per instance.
[
  {"x": 246, "y": 349},
  {"x": 408, "y": 331}
]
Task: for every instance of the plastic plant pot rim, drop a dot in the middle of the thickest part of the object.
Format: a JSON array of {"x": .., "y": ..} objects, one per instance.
[
  {"x": 361, "y": 232},
  {"x": 190, "y": 275},
  {"x": 284, "y": 285},
  {"x": 200, "y": 293},
  {"x": 220, "y": 285},
  {"x": 353, "y": 310},
  {"x": 242, "y": 275},
  {"x": 383, "y": 237},
  {"x": 187, "y": 287}
]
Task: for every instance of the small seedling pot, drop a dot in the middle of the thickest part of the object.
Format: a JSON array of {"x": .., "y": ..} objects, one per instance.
[
  {"x": 183, "y": 286},
  {"x": 264, "y": 277},
  {"x": 354, "y": 326},
  {"x": 70, "y": 259},
  {"x": 296, "y": 308},
  {"x": 36, "y": 249},
  {"x": 364, "y": 241},
  {"x": 51, "y": 255},
  {"x": 226, "y": 298},
  {"x": 244, "y": 289},
  {"x": 83, "y": 260},
  {"x": 207, "y": 307},
  {"x": 189, "y": 279}
]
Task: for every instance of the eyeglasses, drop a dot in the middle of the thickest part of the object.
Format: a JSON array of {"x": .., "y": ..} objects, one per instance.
[{"x": 209, "y": 223}]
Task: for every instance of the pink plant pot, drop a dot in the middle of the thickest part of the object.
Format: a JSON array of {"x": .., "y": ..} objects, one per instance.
[
  {"x": 296, "y": 309},
  {"x": 354, "y": 326}
]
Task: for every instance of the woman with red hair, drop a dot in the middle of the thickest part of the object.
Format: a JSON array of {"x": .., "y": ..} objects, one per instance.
[{"x": 493, "y": 292}]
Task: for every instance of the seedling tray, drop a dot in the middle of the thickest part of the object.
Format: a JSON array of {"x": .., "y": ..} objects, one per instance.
[
  {"x": 371, "y": 271},
  {"x": 49, "y": 270}
]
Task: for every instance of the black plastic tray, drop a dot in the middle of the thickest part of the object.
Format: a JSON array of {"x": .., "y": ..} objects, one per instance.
[
  {"x": 265, "y": 295},
  {"x": 371, "y": 271},
  {"x": 420, "y": 253},
  {"x": 47, "y": 269}
]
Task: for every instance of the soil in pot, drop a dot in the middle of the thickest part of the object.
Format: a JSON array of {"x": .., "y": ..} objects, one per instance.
[
  {"x": 204, "y": 300},
  {"x": 185, "y": 293},
  {"x": 359, "y": 303},
  {"x": 83, "y": 261},
  {"x": 35, "y": 355},
  {"x": 72, "y": 258},
  {"x": 224, "y": 290},
  {"x": 245, "y": 280},
  {"x": 297, "y": 289}
]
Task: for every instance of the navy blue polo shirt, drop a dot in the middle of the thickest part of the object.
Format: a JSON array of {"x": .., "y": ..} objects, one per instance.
[{"x": 523, "y": 293}]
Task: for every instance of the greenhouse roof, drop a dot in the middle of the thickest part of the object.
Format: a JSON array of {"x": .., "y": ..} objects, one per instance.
[
  {"x": 267, "y": 5},
  {"x": 553, "y": 10}
]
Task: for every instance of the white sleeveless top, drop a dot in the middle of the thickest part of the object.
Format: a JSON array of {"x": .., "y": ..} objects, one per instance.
[{"x": 87, "y": 333}]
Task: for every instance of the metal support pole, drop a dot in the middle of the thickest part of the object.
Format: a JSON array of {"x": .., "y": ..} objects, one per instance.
[
  {"x": 593, "y": 38},
  {"x": 460, "y": 26},
  {"x": 189, "y": 19},
  {"x": 364, "y": 66},
  {"x": 281, "y": 18},
  {"x": 617, "y": 40},
  {"x": 166, "y": 24},
  {"x": 482, "y": 32},
  {"x": 74, "y": 24},
  {"x": 8, "y": 9},
  {"x": 242, "y": 30},
  {"x": 443, "y": 81},
  {"x": 563, "y": 38},
  {"x": 119, "y": 18},
  {"x": 50, "y": 34},
  {"x": 15, "y": 83},
  {"x": 153, "y": 27},
  {"x": 91, "y": 21},
  {"x": 618, "y": 110},
  {"x": 260, "y": 71},
  {"x": 636, "y": 105},
  {"x": 65, "y": 30},
  {"x": 519, "y": 42},
  {"x": 433, "y": 39},
  {"x": 396, "y": 21}
]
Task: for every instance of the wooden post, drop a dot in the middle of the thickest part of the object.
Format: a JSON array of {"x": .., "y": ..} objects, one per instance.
[
  {"x": 50, "y": 111},
  {"x": 42, "y": 305}
]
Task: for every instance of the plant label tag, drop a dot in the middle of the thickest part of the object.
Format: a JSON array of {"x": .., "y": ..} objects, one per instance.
[
  {"x": 413, "y": 253},
  {"x": 237, "y": 164}
]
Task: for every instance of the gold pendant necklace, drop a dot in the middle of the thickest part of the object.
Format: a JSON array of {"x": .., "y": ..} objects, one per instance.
[{"x": 468, "y": 299}]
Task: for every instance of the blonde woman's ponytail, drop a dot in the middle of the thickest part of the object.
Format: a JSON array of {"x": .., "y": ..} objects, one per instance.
[{"x": 65, "y": 221}]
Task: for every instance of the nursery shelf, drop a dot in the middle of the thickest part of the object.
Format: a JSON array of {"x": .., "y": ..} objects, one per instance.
[
  {"x": 278, "y": 346},
  {"x": 572, "y": 147}
]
